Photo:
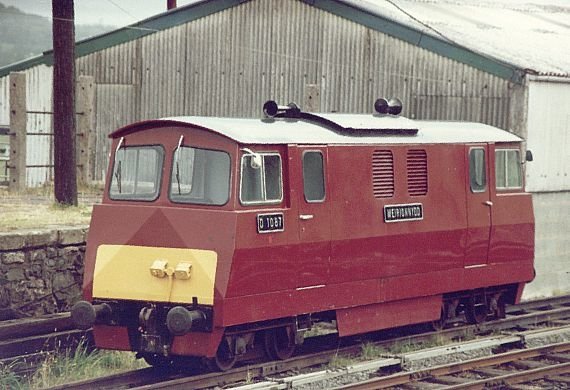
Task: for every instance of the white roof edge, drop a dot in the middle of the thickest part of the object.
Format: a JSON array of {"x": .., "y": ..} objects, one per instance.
[
  {"x": 291, "y": 131},
  {"x": 549, "y": 79}
]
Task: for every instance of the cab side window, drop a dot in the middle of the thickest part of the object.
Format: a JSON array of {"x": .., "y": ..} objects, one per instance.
[
  {"x": 313, "y": 176},
  {"x": 477, "y": 170},
  {"x": 261, "y": 182},
  {"x": 508, "y": 169}
]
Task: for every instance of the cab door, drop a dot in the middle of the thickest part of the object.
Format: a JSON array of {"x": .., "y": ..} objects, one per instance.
[
  {"x": 478, "y": 206},
  {"x": 314, "y": 218}
]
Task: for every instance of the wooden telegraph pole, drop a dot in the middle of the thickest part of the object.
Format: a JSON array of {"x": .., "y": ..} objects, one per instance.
[{"x": 65, "y": 171}]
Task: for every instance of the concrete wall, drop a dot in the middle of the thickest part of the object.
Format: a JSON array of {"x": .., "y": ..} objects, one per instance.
[
  {"x": 40, "y": 272},
  {"x": 548, "y": 178}
]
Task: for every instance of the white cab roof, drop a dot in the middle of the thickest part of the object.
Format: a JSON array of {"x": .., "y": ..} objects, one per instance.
[{"x": 354, "y": 129}]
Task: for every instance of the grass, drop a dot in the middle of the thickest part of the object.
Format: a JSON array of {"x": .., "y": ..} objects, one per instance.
[
  {"x": 370, "y": 351},
  {"x": 340, "y": 361},
  {"x": 68, "y": 366},
  {"x": 37, "y": 209},
  {"x": 405, "y": 347}
]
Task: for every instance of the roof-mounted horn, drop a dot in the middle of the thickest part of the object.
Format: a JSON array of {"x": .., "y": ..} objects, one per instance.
[
  {"x": 271, "y": 109},
  {"x": 390, "y": 107},
  {"x": 346, "y": 123}
]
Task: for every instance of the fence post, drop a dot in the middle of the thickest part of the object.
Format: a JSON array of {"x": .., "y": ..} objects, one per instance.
[
  {"x": 85, "y": 128},
  {"x": 18, "y": 123},
  {"x": 312, "y": 98}
]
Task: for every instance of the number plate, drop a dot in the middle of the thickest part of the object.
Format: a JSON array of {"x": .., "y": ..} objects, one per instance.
[
  {"x": 403, "y": 212},
  {"x": 269, "y": 223}
]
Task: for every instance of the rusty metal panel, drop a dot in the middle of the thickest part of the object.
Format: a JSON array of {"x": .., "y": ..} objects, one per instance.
[{"x": 549, "y": 137}]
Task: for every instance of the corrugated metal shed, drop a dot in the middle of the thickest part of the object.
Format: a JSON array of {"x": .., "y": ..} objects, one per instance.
[
  {"x": 225, "y": 58},
  {"x": 530, "y": 35},
  {"x": 240, "y": 54}
]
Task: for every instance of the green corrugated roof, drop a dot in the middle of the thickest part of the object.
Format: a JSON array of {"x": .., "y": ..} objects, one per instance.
[{"x": 338, "y": 7}]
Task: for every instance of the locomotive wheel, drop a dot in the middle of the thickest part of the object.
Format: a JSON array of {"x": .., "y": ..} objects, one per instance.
[
  {"x": 476, "y": 309},
  {"x": 225, "y": 359},
  {"x": 279, "y": 343}
]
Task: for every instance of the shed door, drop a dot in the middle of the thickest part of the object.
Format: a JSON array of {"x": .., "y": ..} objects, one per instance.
[
  {"x": 314, "y": 218},
  {"x": 478, "y": 205}
]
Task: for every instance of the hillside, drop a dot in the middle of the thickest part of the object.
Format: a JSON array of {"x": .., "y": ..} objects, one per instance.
[{"x": 26, "y": 35}]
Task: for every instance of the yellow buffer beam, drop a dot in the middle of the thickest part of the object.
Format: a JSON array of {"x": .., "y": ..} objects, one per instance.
[{"x": 155, "y": 274}]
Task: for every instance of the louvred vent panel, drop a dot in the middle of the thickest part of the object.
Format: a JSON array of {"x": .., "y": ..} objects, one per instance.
[
  {"x": 417, "y": 172},
  {"x": 383, "y": 174}
]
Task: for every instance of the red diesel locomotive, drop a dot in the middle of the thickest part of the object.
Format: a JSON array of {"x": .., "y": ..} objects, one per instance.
[{"x": 217, "y": 236}]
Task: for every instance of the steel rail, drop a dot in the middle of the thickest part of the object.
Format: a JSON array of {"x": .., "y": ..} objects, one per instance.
[
  {"x": 454, "y": 368},
  {"x": 145, "y": 379},
  {"x": 516, "y": 377}
]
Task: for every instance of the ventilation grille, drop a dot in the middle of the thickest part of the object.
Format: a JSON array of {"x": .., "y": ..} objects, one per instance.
[
  {"x": 417, "y": 172},
  {"x": 383, "y": 174}
]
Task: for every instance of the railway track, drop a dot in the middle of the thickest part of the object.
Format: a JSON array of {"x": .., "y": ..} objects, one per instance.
[
  {"x": 25, "y": 342},
  {"x": 547, "y": 363},
  {"x": 528, "y": 315}
]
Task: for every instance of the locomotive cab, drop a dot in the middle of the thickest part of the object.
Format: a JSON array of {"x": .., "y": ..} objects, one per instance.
[{"x": 218, "y": 237}]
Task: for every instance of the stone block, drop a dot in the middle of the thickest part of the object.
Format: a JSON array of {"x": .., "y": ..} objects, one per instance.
[
  {"x": 43, "y": 238},
  {"x": 15, "y": 274},
  {"x": 71, "y": 236},
  {"x": 39, "y": 256},
  {"x": 11, "y": 241},
  {"x": 13, "y": 258},
  {"x": 51, "y": 252}
]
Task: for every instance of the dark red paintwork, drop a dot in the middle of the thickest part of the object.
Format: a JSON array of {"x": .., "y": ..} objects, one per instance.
[{"x": 345, "y": 259}]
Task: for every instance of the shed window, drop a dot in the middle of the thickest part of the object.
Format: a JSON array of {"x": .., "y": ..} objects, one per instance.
[
  {"x": 508, "y": 169},
  {"x": 477, "y": 170},
  {"x": 261, "y": 184},
  {"x": 136, "y": 173},
  {"x": 313, "y": 176}
]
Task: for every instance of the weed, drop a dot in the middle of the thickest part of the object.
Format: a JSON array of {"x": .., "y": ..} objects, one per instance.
[
  {"x": 370, "y": 351},
  {"x": 9, "y": 379},
  {"x": 405, "y": 347},
  {"x": 339, "y": 361},
  {"x": 81, "y": 363},
  {"x": 61, "y": 367}
]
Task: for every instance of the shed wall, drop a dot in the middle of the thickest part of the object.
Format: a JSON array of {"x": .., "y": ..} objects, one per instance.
[
  {"x": 552, "y": 251},
  {"x": 549, "y": 136},
  {"x": 229, "y": 63}
]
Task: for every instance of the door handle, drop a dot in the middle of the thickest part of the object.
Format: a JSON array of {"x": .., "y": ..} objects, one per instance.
[
  {"x": 306, "y": 217},
  {"x": 488, "y": 203}
]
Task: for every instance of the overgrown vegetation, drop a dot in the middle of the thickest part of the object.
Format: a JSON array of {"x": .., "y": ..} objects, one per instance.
[{"x": 67, "y": 366}]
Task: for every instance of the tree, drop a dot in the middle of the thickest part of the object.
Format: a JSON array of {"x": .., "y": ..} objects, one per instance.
[{"x": 65, "y": 171}]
